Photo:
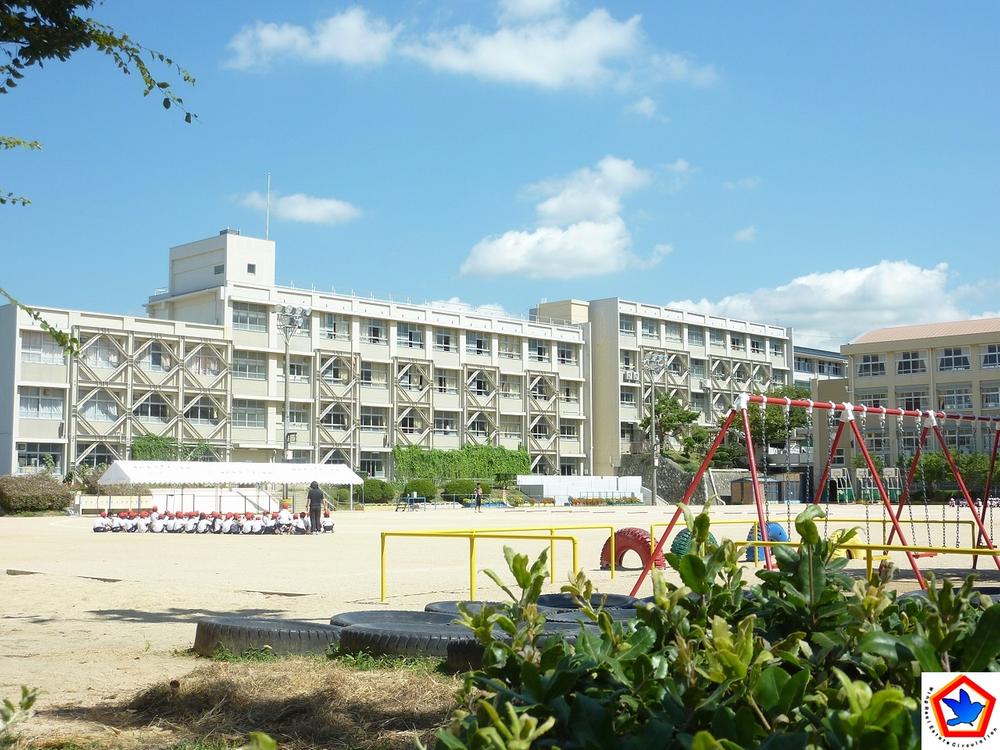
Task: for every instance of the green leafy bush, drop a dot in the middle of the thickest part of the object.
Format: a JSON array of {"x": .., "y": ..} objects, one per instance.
[
  {"x": 33, "y": 492},
  {"x": 465, "y": 487},
  {"x": 423, "y": 488},
  {"x": 378, "y": 491},
  {"x": 483, "y": 461},
  {"x": 806, "y": 659}
]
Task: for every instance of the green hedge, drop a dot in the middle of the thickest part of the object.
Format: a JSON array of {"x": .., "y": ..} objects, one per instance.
[
  {"x": 378, "y": 491},
  {"x": 423, "y": 488},
  {"x": 465, "y": 487},
  {"x": 412, "y": 462},
  {"x": 33, "y": 492}
]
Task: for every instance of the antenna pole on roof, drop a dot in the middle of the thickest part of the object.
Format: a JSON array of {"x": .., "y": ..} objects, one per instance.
[{"x": 267, "y": 210}]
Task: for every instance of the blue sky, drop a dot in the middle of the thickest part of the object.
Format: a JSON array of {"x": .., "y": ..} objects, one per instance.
[{"x": 832, "y": 167}]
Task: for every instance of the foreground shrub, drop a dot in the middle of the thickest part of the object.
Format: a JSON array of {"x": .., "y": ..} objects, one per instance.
[
  {"x": 465, "y": 487},
  {"x": 807, "y": 658},
  {"x": 33, "y": 492},
  {"x": 423, "y": 488}
]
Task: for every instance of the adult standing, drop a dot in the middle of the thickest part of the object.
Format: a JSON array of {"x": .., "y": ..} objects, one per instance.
[
  {"x": 478, "y": 495},
  {"x": 316, "y": 498}
]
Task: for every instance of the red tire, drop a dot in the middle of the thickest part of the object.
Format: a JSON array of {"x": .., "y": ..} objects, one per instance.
[{"x": 630, "y": 539}]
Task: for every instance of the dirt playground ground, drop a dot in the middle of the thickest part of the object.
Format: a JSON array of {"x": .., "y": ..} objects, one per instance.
[{"x": 92, "y": 618}]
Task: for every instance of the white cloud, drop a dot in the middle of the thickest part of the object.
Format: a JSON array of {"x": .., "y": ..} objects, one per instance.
[
  {"x": 457, "y": 304},
  {"x": 746, "y": 234},
  {"x": 522, "y": 10},
  {"x": 580, "y": 231},
  {"x": 644, "y": 107},
  {"x": 351, "y": 38},
  {"x": 592, "y": 194},
  {"x": 552, "y": 54},
  {"x": 828, "y": 309},
  {"x": 677, "y": 68},
  {"x": 304, "y": 208},
  {"x": 680, "y": 171},
  {"x": 744, "y": 183}
]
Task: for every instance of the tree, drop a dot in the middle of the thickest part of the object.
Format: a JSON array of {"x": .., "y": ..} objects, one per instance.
[
  {"x": 33, "y": 32},
  {"x": 672, "y": 420},
  {"x": 161, "y": 448}
]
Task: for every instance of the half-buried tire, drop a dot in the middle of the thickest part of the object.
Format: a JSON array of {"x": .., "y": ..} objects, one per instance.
[
  {"x": 283, "y": 637},
  {"x": 450, "y": 606},
  {"x": 577, "y": 616}
]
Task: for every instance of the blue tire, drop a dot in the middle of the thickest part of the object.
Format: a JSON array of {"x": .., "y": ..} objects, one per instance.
[{"x": 775, "y": 533}]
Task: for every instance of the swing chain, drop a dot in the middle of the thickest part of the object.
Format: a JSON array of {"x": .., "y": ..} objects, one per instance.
[{"x": 785, "y": 485}]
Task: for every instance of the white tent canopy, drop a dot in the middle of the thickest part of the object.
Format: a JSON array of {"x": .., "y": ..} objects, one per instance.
[{"x": 186, "y": 473}]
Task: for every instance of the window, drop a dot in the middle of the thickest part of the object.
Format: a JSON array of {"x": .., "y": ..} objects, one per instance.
[
  {"x": 912, "y": 400},
  {"x": 249, "y": 365},
  {"x": 249, "y": 317},
  {"x": 873, "y": 399},
  {"x": 717, "y": 338},
  {"x": 445, "y": 423},
  {"x": 871, "y": 365},
  {"x": 298, "y": 415},
  {"x": 333, "y": 371},
  {"x": 698, "y": 368},
  {"x": 251, "y": 268},
  {"x": 628, "y": 360},
  {"x": 336, "y": 418},
  {"x": 991, "y": 396},
  {"x": 410, "y": 378},
  {"x": 202, "y": 411},
  {"x": 960, "y": 439},
  {"x": 40, "y": 348},
  {"x": 100, "y": 455},
  {"x": 777, "y": 349},
  {"x": 736, "y": 343},
  {"x": 248, "y": 413},
  {"x": 569, "y": 394},
  {"x": 510, "y": 347},
  {"x": 304, "y": 327},
  {"x": 219, "y": 270},
  {"x": 409, "y": 425},
  {"x": 100, "y": 407},
  {"x": 910, "y": 363},
  {"x": 673, "y": 331},
  {"x": 626, "y": 325},
  {"x": 34, "y": 457},
  {"x": 538, "y": 350},
  {"x": 540, "y": 430},
  {"x": 372, "y": 464},
  {"x": 373, "y": 375},
  {"x": 955, "y": 398},
  {"x": 510, "y": 427},
  {"x": 627, "y": 431},
  {"x": 833, "y": 369},
  {"x": 539, "y": 389},
  {"x": 478, "y": 427},
  {"x": 953, "y": 359},
  {"x": 335, "y": 327},
  {"x": 698, "y": 402},
  {"x": 802, "y": 364},
  {"x": 510, "y": 386},
  {"x": 375, "y": 332},
  {"x": 756, "y": 346},
  {"x": 446, "y": 381},
  {"x": 696, "y": 336},
  {"x": 568, "y": 469},
  {"x": 569, "y": 431},
  {"x": 478, "y": 385},
  {"x": 991, "y": 356},
  {"x": 627, "y": 397},
  {"x": 154, "y": 359},
  {"x": 566, "y": 354},
  {"x": 650, "y": 329},
  {"x": 409, "y": 335},
  {"x": 101, "y": 353},
  {"x": 477, "y": 343},
  {"x": 444, "y": 340},
  {"x": 205, "y": 364},
  {"x": 40, "y": 403},
  {"x": 298, "y": 370},
  {"x": 153, "y": 409}
]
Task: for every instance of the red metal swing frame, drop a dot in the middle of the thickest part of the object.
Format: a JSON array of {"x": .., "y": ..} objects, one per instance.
[{"x": 846, "y": 421}]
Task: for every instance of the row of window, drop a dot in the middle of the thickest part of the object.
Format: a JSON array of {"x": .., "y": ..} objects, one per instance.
[
  {"x": 947, "y": 359},
  {"x": 819, "y": 366},
  {"x": 949, "y": 398},
  {"x": 102, "y": 352},
  {"x": 651, "y": 329}
]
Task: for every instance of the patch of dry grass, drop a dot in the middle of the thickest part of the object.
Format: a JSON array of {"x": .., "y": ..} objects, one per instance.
[{"x": 302, "y": 703}]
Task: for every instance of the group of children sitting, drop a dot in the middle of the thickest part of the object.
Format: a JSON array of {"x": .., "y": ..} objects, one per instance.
[{"x": 152, "y": 521}]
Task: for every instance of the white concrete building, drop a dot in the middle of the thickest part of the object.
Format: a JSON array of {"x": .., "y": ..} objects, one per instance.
[
  {"x": 817, "y": 364},
  {"x": 366, "y": 375},
  {"x": 708, "y": 360}
]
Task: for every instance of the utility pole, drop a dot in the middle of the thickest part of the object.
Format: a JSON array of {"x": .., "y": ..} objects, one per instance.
[
  {"x": 653, "y": 364},
  {"x": 290, "y": 320}
]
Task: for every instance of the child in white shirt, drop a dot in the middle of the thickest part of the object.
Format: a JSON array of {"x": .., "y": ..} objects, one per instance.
[
  {"x": 327, "y": 522},
  {"x": 102, "y": 523},
  {"x": 190, "y": 523}
]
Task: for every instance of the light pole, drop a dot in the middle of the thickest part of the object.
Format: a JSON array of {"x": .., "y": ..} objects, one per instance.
[
  {"x": 653, "y": 364},
  {"x": 290, "y": 320}
]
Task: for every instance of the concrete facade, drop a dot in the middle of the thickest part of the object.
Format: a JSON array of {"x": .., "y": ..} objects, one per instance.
[{"x": 817, "y": 364}]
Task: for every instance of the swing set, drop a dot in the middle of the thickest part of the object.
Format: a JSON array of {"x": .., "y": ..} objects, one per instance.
[{"x": 841, "y": 418}]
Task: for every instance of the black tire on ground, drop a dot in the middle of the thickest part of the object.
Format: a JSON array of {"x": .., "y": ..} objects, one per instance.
[
  {"x": 565, "y": 601},
  {"x": 398, "y": 618},
  {"x": 576, "y": 616},
  {"x": 450, "y": 606},
  {"x": 403, "y": 640},
  {"x": 284, "y": 637}
]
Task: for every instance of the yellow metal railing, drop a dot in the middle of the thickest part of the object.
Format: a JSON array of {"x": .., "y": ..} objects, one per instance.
[{"x": 473, "y": 536}]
